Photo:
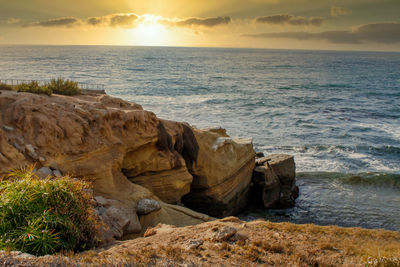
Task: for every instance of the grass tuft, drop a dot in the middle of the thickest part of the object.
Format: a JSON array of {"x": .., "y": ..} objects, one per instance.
[
  {"x": 34, "y": 87},
  {"x": 59, "y": 86},
  {"x": 45, "y": 216},
  {"x": 64, "y": 87},
  {"x": 6, "y": 87}
]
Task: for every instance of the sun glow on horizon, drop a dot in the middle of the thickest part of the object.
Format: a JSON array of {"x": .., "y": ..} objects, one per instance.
[{"x": 150, "y": 32}]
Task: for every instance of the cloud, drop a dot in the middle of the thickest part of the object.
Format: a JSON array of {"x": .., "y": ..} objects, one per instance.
[
  {"x": 287, "y": 19},
  {"x": 126, "y": 20},
  {"x": 96, "y": 21},
  {"x": 385, "y": 33},
  {"x": 115, "y": 20},
  {"x": 129, "y": 20},
  {"x": 340, "y": 11},
  {"x": 11, "y": 21},
  {"x": 205, "y": 22},
  {"x": 123, "y": 20},
  {"x": 59, "y": 22}
]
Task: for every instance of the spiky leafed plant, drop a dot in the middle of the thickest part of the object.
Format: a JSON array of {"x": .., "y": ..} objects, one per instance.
[{"x": 44, "y": 216}]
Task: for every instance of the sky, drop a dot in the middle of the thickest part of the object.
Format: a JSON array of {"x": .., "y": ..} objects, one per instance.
[{"x": 283, "y": 24}]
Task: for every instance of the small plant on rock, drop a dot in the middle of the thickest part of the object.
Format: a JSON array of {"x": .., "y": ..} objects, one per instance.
[
  {"x": 34, "y": 87},
  {"x": 64, "y": 87},
  {"x": 6, "y": 87}
]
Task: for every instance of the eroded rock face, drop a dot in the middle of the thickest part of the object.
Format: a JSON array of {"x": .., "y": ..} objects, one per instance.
[
  {"x": 128, "y": 152},
  {"x": 221, "y": 174},
  {"x": 164, "y": 166},
  {"x": 130, "y": 155},
  {"x": 274, "y": 181}
]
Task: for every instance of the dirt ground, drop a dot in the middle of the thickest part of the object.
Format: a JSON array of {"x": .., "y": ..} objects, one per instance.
[{"x": 231, "y": 242}]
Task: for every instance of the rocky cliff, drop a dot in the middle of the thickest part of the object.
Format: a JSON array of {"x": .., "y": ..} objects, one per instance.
[{"x": 130, "y": 155}]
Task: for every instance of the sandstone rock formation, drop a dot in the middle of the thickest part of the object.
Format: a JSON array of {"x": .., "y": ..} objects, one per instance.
[
  {"x": 129, "y": 154},
  {"x": 274, "y": 181},
  {"x": 222, "y": 173},
  {"x": 103, "y": 139}
]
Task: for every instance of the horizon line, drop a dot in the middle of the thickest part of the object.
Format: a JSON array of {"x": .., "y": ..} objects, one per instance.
[{"x": 210, "y": 47}]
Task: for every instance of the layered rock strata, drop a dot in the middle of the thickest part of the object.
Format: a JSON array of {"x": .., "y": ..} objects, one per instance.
[
  {"x": 129, "y": 154},
  {"x": 222, "y": 173}
]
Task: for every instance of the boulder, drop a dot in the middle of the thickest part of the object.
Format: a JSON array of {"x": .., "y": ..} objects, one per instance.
[
  {"x": 57, "y": 173},
  {"x": 44, "y": 172},
  {"x": 117, "y": 223},
  {"x": 193, "y": 244},
  {"x": 224, "y": 234},
  {"x": 145, "y": 206},
  {"x": 259, "y": 155},
  {"x": 284, "y": 167},
  {"x": 118, "y": 219},
  {"x": 274, "y": 181}
]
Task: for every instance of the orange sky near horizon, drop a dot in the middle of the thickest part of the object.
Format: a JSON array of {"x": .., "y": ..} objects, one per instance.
[{"x": 288, "y": 24}]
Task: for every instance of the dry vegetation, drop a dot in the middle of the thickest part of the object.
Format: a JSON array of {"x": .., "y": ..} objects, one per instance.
[
  {"x": 257, "y": 243},
  {"x": 57, "y": 86}
]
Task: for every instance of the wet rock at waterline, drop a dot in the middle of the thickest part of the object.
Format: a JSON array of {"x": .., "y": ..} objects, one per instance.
[{"x": 274, "y": 181}]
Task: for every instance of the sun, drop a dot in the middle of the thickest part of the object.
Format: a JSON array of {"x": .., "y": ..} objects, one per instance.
[{"x": 149, "y": 32}]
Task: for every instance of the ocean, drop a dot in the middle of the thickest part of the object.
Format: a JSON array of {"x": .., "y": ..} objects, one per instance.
[{"x": 337, "y": 112}]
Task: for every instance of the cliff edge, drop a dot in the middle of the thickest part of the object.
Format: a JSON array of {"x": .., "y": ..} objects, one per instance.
[{"x": 130, "y": 155}]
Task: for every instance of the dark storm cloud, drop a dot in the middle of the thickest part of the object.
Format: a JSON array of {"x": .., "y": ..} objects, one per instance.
[
  {"x": 286, "y": 19},
  {"x": 386, "y": 33},
  {"x": 206, "y": 22},
  {"x": 59, "y": 22}
]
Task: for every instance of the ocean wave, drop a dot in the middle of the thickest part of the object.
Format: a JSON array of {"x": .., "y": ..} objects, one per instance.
[
  {"x": 385, "y": 149},
  {"x": 341, "y": 158},
  {"x": 391, "y": 180}
]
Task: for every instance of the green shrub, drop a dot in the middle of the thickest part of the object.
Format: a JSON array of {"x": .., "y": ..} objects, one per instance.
[
  {"x": 4, "y": 86},
  {"x": 45, "y": 216},
  {"x": 34, "y": 87},
  {"x": 64, "y": 87}
]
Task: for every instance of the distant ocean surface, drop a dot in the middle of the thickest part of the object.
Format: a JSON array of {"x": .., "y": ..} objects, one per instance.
[{"x": 338, "y": 113}]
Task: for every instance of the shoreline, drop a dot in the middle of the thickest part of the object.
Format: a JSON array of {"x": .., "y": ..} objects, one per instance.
[{"x": 147, "y": 158}]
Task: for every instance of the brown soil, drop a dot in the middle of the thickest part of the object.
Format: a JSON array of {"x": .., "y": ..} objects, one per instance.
[{"x": 257, "y": 243}]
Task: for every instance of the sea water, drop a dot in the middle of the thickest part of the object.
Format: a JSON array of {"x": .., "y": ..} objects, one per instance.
[{"x": 338, "y": 113}]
